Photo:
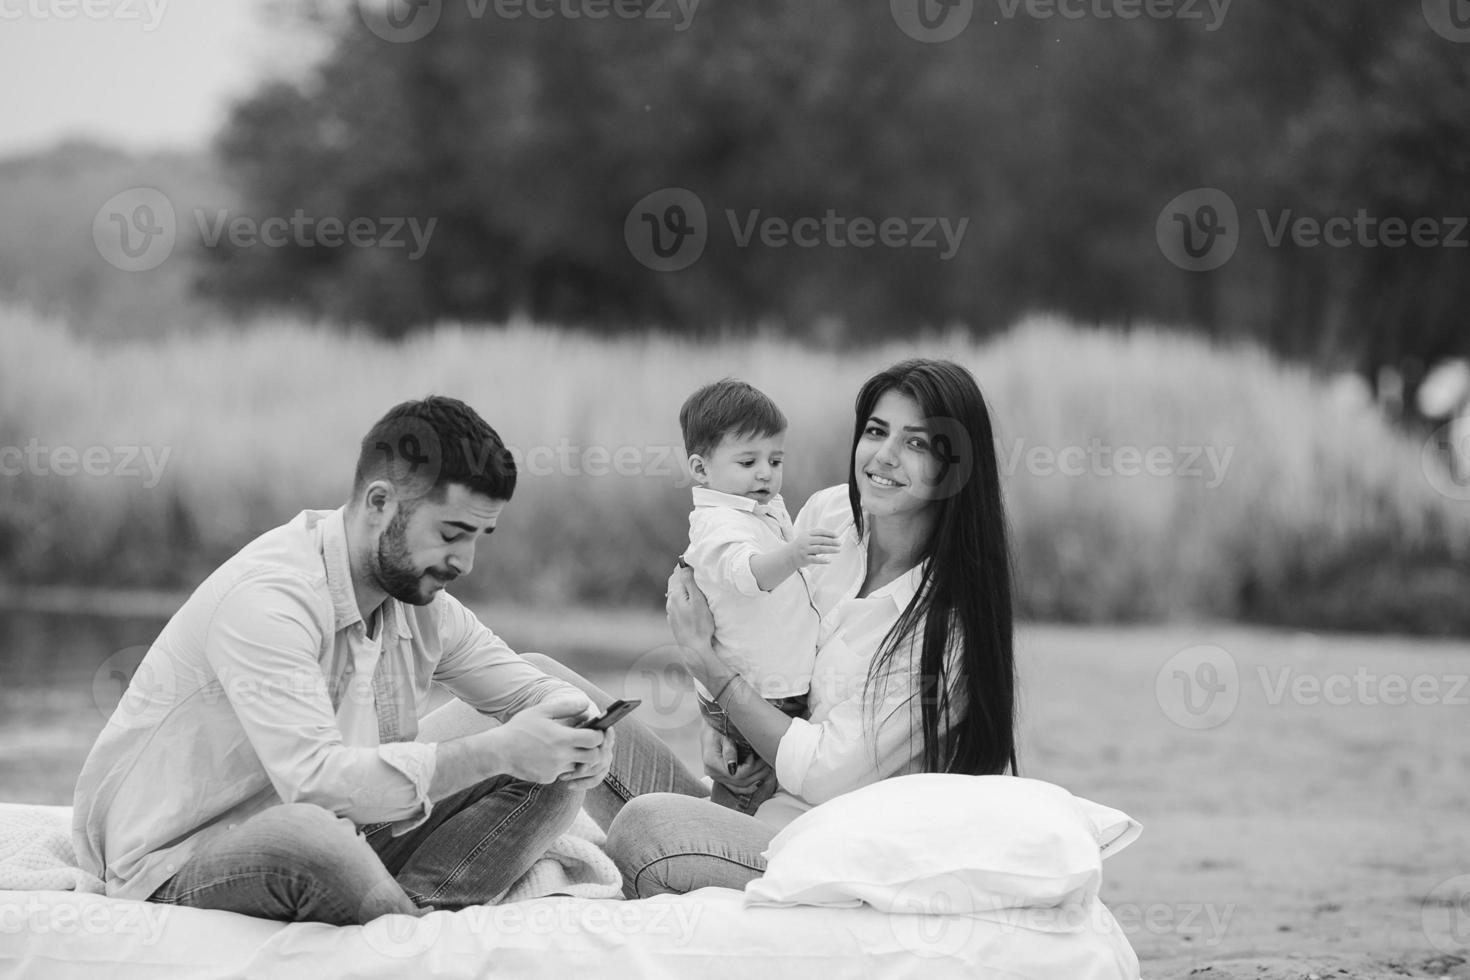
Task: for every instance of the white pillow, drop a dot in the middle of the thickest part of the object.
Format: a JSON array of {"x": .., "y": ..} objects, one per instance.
[{"x": 944, "y": 843}]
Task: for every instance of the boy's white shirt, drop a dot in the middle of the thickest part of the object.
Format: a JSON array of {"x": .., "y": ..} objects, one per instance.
[{"x": 770, "y": 638}]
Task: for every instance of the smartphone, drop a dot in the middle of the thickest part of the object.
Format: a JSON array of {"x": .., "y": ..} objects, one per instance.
[{"x": 612, "y": 715}]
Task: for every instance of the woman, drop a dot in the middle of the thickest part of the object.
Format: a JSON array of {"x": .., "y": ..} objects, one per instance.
[{"x": 914, "y": 669}]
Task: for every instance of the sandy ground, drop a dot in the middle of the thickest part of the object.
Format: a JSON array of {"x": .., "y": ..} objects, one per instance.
[{"x": 1317, "y": 829}]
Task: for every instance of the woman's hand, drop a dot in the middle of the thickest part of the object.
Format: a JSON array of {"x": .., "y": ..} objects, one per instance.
[
  {"x": 691, "y": 622},
  {"x": 720, "y": 754}
]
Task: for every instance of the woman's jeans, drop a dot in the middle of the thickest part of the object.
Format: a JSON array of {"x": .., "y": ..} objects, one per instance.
[
  {"x": 662, "y": 830},
  {"x": 300, "y": 862}
]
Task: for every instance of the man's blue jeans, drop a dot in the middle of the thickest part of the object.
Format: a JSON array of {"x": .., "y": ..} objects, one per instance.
[{"x": 299, "y": 862}]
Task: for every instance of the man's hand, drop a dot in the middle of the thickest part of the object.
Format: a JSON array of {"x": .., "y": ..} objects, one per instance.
[
  {"x": 813, "y": 547},
  {"x": 587, "y": 775},
  {"x": 720, "y": 754},
  {"x": 539, "y": 744}
]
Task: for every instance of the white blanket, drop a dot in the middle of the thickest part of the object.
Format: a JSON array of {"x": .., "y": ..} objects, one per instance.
[
  {"x": 708, "y": 934},
  {"x": 36, "y": 854}
]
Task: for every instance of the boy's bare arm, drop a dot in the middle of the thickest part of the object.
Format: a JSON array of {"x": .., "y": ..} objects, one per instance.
[{"x": 811, "y": 547}]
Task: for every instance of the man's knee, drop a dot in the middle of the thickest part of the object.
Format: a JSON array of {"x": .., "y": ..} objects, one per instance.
[
  {"x": 558, "y": 803},
  {"x": 297, "y": 829},
  {"x": 308, "y": 817}
]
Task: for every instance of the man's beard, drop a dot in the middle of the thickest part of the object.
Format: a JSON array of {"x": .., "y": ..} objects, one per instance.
[{"x": 394, "y": 569}]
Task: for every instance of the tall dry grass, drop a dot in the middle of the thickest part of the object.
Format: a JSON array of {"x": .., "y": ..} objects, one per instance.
[{"x": 1322, "y": 517}]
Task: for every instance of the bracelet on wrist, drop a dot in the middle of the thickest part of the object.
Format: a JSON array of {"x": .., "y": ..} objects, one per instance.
[{"x": 725, "y": 686}]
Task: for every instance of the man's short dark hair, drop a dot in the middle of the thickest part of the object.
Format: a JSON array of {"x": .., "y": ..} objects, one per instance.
[
  {"x": 423, "y": 446},
  {"x": 727, "y": 408}
]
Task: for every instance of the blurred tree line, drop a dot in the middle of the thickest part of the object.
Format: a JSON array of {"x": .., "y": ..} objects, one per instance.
[{"x": 1060, "y": 140}]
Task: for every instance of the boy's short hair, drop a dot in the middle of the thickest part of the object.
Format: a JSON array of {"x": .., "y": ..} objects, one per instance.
[
  {"x": 727, "y": 408},
  {"x": 423, "y": 446}
]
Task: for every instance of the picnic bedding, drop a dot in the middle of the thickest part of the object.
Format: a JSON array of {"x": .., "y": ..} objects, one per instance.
[{"x": 55, "y": 923}]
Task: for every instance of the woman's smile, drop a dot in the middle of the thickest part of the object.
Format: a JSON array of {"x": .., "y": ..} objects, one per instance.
[{"x": 884, "y": 482}]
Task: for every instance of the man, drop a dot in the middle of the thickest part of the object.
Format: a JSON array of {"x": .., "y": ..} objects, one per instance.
[{"x": 262, "y": 759}]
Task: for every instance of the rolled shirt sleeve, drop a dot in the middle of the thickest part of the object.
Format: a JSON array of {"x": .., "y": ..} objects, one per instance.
[
  {"x": 820, "y": 760},
  {"x": 721, "y": 546},
  {"x": 264, "y": 644},
  {"x": 482, "y": 670}
]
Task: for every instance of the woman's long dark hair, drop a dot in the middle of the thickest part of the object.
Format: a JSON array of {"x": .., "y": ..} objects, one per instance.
[{"x": 964, "y": 598}]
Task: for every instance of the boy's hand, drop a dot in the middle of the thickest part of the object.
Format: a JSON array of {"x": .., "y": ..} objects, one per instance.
[{"x": 814, "y": 547}]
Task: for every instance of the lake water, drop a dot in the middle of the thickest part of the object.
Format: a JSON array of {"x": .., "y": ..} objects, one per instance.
[{"x": 61, "y": 676}]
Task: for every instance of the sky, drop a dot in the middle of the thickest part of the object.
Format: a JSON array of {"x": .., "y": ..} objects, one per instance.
[{"x": 141, "y": 74}]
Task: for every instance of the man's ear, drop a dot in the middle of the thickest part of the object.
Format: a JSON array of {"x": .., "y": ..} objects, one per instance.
[
  {"x": 698, "y": 469},
  {"x": 379, "y": 501}
]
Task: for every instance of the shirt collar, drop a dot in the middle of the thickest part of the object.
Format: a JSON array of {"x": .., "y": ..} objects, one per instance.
[
  {"x": 339, "y": 580},
  {"x": 705, "y": 497}
]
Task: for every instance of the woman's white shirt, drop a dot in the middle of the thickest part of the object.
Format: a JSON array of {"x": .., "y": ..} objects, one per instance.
[{"x": 837, "y": 748}]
